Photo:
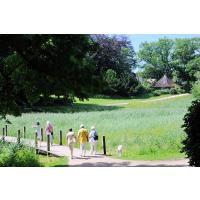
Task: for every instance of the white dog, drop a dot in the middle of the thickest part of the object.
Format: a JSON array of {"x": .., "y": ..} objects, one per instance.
[{"x": 119, "y": 149}]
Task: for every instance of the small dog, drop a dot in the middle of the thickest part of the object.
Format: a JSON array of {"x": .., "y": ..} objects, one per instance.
[{"x": 119, "y": 149}]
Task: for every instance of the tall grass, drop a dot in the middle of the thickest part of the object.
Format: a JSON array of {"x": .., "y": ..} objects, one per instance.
[{"x": 147, "y": 130}]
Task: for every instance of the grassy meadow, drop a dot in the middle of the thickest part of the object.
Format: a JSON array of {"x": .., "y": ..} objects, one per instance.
[{"x": 148, "y": 130}]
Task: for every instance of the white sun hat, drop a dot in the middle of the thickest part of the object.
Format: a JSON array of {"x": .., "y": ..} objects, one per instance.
[
  {"x": 92, "y": 127},
  {"x": 81, "y": 126}
]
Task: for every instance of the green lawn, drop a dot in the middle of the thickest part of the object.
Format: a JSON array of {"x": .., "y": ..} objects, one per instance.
[
  {"x": 48, "y": 161},
  {"x": 147, "y": 130}
]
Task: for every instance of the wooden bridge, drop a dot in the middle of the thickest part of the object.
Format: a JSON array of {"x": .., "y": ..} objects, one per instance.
[{"x": 99, "y": 160}]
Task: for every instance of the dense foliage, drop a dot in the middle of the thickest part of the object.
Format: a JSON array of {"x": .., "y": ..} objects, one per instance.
[
  {"x": 192, "y": 141},
  {"x": 34, "y": 67},
  {"x": 178, "y": 59},
  {"x": 116, "y": 59},
  {"x": 17, "y": 155}
]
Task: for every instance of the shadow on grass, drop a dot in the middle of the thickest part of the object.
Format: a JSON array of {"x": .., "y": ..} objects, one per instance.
[{"x": 76, "y": 107}]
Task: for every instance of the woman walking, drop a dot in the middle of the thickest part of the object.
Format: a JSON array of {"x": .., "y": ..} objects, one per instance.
[
  {"x": 83, "y": 138},
  {"x": 71, "y": 140},
  {"x": 38, "y": 132},
  {"x": 93, "y": 139},
  {"x": 49, "y": 131}
]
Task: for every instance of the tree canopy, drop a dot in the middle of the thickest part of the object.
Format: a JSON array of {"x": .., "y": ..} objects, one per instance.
[{"x": 32, "y": 66}]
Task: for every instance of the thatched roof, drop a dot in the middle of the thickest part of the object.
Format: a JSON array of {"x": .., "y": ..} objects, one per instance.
[{"x": 164, "y": 82}]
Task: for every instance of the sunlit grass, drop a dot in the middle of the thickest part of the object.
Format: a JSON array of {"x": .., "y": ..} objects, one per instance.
[{"x": 147, "y": 130}]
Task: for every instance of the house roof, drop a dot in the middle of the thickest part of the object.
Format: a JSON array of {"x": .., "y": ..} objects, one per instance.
[{"x": 164, "y": 82}]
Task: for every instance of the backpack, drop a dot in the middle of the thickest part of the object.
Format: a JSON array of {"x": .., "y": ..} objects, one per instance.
[{"x": 96, "y": 137}]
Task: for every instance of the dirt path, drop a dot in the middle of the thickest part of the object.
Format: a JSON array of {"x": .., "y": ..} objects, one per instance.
[
  {"x": 164, "y": 98},
  {"x": 151, "y": 100}
]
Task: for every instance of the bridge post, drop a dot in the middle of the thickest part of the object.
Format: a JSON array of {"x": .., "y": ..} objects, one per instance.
[
  {"x": 3, "y": 137},
  {"x": 36, "y": 143},
  {"x": 6, "y": 130},
  {"x": 18, "y": 136},
  {"x": 24, "y": 132},
  {"x": 42, "y": 138},
  {"x": 48, "y": 144},
  {"x": 104, "y": 145},
  {"x": 60, "y": 138}
]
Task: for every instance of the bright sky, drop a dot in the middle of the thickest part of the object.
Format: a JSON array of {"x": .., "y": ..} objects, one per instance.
[{"x": 137, "y": 39}]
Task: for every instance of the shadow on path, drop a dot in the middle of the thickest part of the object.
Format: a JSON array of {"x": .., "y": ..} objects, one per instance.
[{"x": 121, "y": 164}]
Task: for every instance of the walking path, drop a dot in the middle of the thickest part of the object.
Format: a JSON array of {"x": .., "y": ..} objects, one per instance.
[
  {"x": 98, "y": 160},
  {"x": 151, "y": 100},
  {"x": 164, "y": 98}
]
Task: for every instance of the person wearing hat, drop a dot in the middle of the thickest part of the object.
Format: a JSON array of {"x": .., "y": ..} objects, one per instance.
[
  {"x": 49, "y": 131},
  {"x": 83, "y": 139},
  {"x": 38, "y": 132},
  {"x": 93, "y": 139}
]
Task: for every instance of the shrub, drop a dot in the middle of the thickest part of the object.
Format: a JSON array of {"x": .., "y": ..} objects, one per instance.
[
  {"x": 196, "y": 90},
  {"x": 160, "y": 92},
  {"x": 191, "y": 144},
  {"x": 17, "y": 155}
]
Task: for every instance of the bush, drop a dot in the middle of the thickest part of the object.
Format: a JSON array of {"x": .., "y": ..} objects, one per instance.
[
  {"x": 191, "y": 144},
  {"x": 196, "y": 90},
  {"x": 17, "y": 155},
  {"x": 160, "y": 92},
  {"x": 177, "y": 90}
]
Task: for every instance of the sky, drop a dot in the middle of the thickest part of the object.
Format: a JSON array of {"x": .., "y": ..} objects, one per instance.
[{"x": 137, "y": 39}]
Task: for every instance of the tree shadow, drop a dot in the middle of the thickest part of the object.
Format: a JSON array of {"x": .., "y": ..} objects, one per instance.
[{"x": 76, "y": 107}]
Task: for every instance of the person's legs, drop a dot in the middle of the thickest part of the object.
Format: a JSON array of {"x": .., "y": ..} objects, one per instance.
[
  {"x": 95, "y": 147},
  {"x": 81, "y": 149},
  {"x": 91, "y": 148},
  {"x": 84, "y": 150},
  {"x": 71, "y": 149}
]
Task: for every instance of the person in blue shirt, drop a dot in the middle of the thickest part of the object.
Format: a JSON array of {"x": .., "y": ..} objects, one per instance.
[{"x": 93, "y": 139}]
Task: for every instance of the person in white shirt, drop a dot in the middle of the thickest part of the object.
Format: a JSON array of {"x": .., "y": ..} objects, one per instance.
[
  {"x": 93, "y": 139},
  {"x": 38, "y": 132},
  {"x": 71, "y": 140}
]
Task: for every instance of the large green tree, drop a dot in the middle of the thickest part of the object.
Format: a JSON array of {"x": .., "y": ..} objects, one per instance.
[
  {"x": 115, "y": 59},
  {"x": 186, "y": 53},
  {"x": 32, "y": 66},
  {"x": 156, "y": 58}
]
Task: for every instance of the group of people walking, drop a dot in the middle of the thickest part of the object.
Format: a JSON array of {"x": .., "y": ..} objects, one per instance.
[{"x": 84, "y": 136}]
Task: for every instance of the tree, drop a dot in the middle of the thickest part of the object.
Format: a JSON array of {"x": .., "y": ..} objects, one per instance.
[
  {"x": 32, "y": 66},
  {"x": 157, "y": 58},
  {"x": 185, "y": 53},
  {"x": 191, "y": 144},
  {"x": 115, "y": 59},
  {"x": 112, "y": 81}
]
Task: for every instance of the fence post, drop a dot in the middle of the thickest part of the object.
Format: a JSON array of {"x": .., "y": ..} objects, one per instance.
[
  {"x": 6, "y": 130},
  {"x": 42, "y": 134},
  {"x": 36, "y": 143},
  {"x": 18, "y": 136},
  {"x": 60, "y": 139},
  {"x": 48, "y": 144},
  {"x": 104, "y": 145},
  {"x": 24, "y": 132},
  {"x": 3, "y": 137}
]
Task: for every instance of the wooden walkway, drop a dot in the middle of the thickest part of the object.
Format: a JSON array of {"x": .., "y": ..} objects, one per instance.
[{"x": 98, "y": 160}]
